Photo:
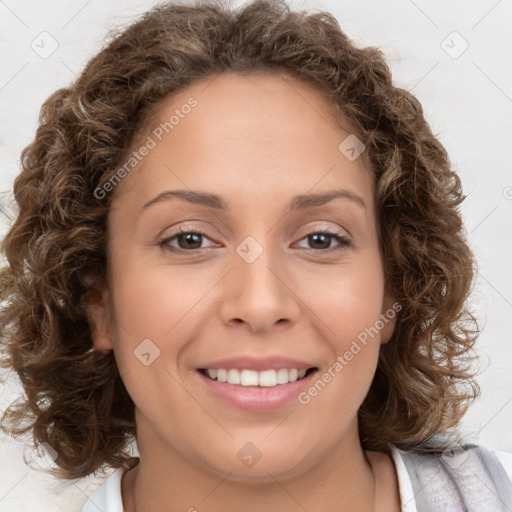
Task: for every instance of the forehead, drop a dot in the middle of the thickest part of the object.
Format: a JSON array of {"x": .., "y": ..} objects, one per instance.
[
  {"x": 248, "y": 92},
  {"x": 264, "y": 131}
]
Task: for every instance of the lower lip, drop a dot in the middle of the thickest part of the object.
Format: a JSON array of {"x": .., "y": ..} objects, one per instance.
[{"x": 256, "y": 398}]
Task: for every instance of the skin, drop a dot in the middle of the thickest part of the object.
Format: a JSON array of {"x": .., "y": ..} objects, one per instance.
[{"x": 257, "y": 141}]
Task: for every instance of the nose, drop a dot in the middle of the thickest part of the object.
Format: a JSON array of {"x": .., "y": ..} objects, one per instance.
[{"x": 258, "y": 295}]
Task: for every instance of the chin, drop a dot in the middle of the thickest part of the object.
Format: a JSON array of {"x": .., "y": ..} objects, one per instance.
[{"x": 266, "y": 470}]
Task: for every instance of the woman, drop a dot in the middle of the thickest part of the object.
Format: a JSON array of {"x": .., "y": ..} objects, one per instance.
[{"x": 254, "y": 368}]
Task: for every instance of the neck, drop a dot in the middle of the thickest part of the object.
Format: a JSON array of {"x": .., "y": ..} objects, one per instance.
[{"x": 165, "y": 481}]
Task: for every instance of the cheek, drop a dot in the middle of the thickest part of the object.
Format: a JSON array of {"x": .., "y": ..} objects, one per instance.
[
  {"x": 157, "y": 300},
  {"x": 349, "y": 307},
  {"x": 155, "y": 307},
  {"x": 159, "y": 309},
  {"x": 348, "y": 300},
  {"x": 154, "y": 310}
]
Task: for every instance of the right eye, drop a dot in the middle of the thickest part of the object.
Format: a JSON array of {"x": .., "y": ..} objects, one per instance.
[{"x": 185, "y": 238}]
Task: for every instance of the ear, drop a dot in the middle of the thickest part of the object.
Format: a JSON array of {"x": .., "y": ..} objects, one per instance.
[
  {"x": 390, "y": 310},
  {"x": 97, "y": 306}
]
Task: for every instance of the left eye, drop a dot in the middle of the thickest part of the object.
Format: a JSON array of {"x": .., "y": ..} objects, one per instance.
[
  {"x": 191, "y": 240},
  {"x": 325, "y": 237}
]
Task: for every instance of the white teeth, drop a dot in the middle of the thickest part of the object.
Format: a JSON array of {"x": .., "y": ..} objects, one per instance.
[
  {"x": 248, "y": 378},
  {"x": 282, "y": 376},
  {"x": 267, "y": 378},
  {"x": 233, "y": 377}
]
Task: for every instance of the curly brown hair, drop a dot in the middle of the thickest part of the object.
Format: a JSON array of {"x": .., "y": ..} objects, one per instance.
[{"x": 56, "y": 247}]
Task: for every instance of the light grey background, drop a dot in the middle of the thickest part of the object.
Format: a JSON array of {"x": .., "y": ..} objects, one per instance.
[{"x": 467, "y": 97}]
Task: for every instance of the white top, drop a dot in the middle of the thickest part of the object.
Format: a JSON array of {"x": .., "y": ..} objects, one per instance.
[{"x": 107, "y": 497}]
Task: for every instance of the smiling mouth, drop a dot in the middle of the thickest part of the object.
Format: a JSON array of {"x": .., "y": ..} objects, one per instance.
[{"x": 267, "y": 378}]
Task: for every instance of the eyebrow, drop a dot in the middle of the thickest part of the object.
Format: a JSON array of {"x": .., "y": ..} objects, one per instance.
[{"x": 299, "y": 202}]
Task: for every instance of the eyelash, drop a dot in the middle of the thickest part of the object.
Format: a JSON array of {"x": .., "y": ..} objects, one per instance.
[{"x": 342, "y": 240}]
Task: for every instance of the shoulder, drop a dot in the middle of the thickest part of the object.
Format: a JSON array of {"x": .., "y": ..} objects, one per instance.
[
  {"x": 505, "y": 459},
  {"x": 461, "y": 477},
  {"x": 107, "y": 497}
]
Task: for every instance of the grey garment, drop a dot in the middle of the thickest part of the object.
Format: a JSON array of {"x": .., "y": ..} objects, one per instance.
[{"x": 467, "y": 478}]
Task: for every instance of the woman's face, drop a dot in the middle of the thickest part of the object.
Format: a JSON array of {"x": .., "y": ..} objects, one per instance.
[{"x": 266, "y": 294}]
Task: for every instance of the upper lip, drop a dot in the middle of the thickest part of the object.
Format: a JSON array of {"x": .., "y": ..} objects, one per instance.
[{"x": 257, "y": 364}]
